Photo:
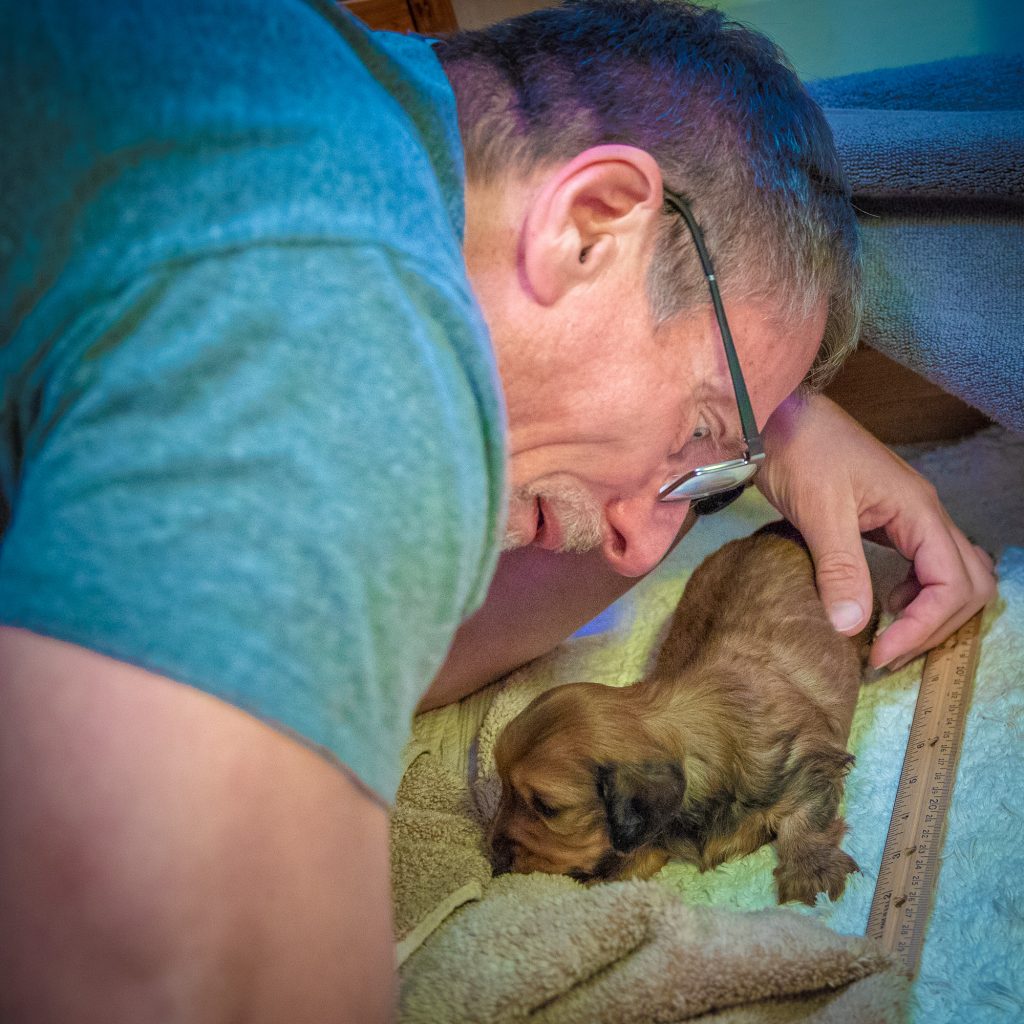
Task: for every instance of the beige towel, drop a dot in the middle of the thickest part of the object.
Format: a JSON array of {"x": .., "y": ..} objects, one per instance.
[
  {"x": 437, "y": 859},
  {"x": 547, "y": 949},
  {"x": 544, "y": 948}
]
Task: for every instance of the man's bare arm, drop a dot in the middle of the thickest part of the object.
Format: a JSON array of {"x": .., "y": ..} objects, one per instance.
[
  {"x": 537, "y": 599},
  {"x": 166, "y": 857}
]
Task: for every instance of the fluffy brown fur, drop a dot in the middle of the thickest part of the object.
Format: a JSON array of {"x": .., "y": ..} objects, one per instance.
[{"x": 736, "y": 739}]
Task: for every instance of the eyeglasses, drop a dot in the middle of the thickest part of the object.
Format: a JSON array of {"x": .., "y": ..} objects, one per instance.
[{"x": 711, "y": 488}]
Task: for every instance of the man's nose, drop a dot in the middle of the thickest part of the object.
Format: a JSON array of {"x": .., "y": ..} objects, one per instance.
[{"x": 641, "y": 530}]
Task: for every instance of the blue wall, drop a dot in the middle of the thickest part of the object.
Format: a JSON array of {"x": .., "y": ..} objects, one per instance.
[{"x": 836, "y": 37}]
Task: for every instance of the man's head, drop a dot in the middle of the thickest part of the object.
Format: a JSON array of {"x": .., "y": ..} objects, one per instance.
[{"x": 573, "y": 119}]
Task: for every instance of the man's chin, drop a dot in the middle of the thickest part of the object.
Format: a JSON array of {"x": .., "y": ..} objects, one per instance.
[{"x": 512, "y": 542}]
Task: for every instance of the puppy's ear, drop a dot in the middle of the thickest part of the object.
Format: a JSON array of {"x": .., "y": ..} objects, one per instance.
[{"x": 639, "y": 800}]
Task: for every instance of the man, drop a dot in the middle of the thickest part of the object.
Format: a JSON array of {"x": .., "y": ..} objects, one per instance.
[{"x": 255, "y": 449}]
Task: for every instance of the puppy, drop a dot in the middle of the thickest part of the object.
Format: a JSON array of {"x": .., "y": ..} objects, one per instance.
[{"x": 736, "y": 739}]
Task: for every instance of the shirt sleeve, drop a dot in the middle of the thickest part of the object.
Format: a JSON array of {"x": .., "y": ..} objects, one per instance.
[{"x": 271, "y": 474}]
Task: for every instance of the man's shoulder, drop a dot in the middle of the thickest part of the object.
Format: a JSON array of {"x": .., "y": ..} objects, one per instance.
[{"x": 174, "y": 129}]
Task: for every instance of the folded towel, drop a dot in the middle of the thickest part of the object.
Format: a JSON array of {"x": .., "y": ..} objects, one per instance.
[
  {"x": 952, "y": 129},
  {"x": 988, "y": 82},
  {"x": 935, "y": 157},
  {"x": 437, "y": 858},
  {"x": 944, "y": 154},
  {"x": 544, "y": 948}
]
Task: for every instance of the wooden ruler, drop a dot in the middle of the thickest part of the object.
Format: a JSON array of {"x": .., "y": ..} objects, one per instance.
[{"x": 910, "y": 862}]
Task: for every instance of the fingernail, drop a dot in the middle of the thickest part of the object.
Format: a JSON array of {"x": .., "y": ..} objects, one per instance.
[{"x": 845, "y": 615}]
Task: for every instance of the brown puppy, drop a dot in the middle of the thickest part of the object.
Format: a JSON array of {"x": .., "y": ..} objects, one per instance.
[{"x": 736, "y": 739}]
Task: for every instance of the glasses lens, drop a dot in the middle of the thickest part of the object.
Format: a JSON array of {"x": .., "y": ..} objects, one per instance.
[
  {"x": 716, "y": 502},
  {"x": 712, "y": 480}
]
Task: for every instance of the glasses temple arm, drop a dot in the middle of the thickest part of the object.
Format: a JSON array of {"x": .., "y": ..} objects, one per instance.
[{"x": 750, "y": 432}]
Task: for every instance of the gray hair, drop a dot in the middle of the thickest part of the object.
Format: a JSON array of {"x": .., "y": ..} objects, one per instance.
[{"x": 721, "y": 111}]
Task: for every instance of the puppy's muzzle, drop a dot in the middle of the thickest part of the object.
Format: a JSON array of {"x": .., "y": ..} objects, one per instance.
[{"x": 502, "y": 853}]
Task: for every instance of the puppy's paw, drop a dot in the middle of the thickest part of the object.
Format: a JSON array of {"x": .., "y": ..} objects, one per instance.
[
  {"x": 816, "y": 869},
  {"x": 644, "y": 863}
]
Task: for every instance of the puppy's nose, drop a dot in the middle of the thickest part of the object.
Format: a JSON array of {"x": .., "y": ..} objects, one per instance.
[{"x": 502, "y": 851}]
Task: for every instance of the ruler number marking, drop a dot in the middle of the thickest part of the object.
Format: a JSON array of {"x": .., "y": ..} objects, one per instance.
[{"x": 910, "y": 859}]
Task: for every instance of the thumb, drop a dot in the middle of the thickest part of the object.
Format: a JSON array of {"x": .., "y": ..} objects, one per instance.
[{"x": 844, "y": 583}]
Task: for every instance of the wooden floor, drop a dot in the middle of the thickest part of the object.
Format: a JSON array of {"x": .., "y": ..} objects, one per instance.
[
  {"x": 426, "y": 16},
  {"x": 897, "y": 405}
]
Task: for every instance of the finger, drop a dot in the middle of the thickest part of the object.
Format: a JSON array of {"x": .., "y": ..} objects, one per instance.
[
  {"x": 980, "y": 569},
  {"x": 842, "y": 577},
  {"x": 938, "y": 566},
  {"x": 985, "y": 558},
  {"x": 915, "y": 631},
  {"x": 961, "y": 583},
  {"x": 983, "y": 584},
  {"x": 903, "y": 593}
]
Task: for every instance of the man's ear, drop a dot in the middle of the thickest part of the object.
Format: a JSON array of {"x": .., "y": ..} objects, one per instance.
[
  {"x": 639, "y": 800},
  {"x": 586, "y": 214}
]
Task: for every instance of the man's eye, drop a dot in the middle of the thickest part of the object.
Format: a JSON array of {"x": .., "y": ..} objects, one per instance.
[{"x": 545, "y": 810}]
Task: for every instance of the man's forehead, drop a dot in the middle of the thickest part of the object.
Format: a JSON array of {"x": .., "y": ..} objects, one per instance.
[{"x": 770, "y": 343}]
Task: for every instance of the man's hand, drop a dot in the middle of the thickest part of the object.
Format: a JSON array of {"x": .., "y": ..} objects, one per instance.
[{"x": 835, "y": 482}]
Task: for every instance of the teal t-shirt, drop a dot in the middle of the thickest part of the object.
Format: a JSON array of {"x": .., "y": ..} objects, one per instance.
[{"x": 252, "y": 434}]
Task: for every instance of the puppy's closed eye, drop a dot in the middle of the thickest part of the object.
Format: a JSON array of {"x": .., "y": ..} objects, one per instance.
[{"x": 543, "y": 808}]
